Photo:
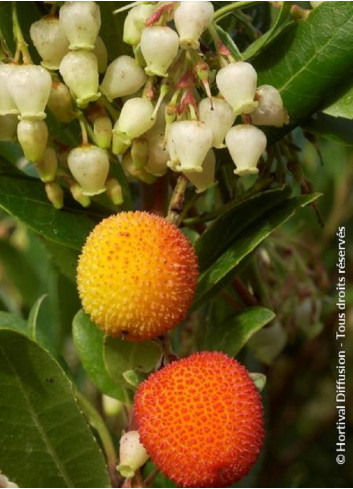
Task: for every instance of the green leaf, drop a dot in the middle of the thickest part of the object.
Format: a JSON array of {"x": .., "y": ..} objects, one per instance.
[
  {"x": 309, "y": 61},
  {"x": 88, "y": 340},
  {"x": 282, "y": 20},
  {"x": 232, "y": 222},
  {"x": 33, "y": 317},
  {"x": 45, "y": 440},
  {"x": 259, "y": 380},
  {"x": 229, "y": 43},
  {"x": 223, "y": 269},
  {"x": 8, "y": 320},
  {"x": 65, "y": 259},
  {"x": 230, "y": 336},
  {"x": 343, "y": 107},
  {"x": 24, "y": 198},
  {"x": 122, "y": 356},
  {"x": 335, "y": 128}
]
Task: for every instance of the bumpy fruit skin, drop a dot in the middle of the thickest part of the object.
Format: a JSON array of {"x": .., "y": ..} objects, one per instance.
[
  {"x": 137, "y": 275},
  {"x": 201, "y": 420}
]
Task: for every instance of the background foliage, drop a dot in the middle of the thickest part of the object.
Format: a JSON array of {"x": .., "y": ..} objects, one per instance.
[{"x": 52, "y": 376}]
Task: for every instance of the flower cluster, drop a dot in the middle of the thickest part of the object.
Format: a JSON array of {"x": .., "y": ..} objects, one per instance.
[{"x": 168, "y": 106}]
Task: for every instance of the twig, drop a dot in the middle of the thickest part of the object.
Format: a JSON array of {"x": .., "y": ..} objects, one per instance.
[{"x": 177, "y": 200}]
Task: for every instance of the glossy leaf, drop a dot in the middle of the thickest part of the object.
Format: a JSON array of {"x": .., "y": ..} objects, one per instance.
[
  {"x": 33, "y": 317},
  {"x": 334, "y": 128},
  {"x": 229, "y": 43},
  {"x": 88, "y": 340},
  {"x": 45, "y": 440},
  {"x": 309, "y": 61},
  {"x": 230, "y": 336},
  {"x": 222, "y": 270},
  {"x": 24, "y": 198},
  {"x": 232, "y": 222},
  {"x": 123, "y": 356},
  {"x": 343, "y": 107}
]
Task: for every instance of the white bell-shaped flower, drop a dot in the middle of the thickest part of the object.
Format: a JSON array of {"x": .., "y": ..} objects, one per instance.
[
  {"x": 123, "y": 77},
  {"x": 33, "y": 137},
  {"x": 130, "y": 169},
  {"x": 8, "y": 127},
  {"x": 237, "y": 84},
  {"x": 159, "y": 46},
  {"x": 204, "y": 180},
  {"x": 135, "y": 117},
  {"x": 79, "y": 70},
  {"x": 270, "y": 111},
  {"x": 7, "y": 104},
  {"x": 81, "y": 22},
  {"x": 132, "y": 454},
  {"x": 29, "y": 86},
  {"x": 60, "y": 102},
  {"x": 101, "y": 53},
  {"x": 90, "y": 167},
  {"x": 219, "y": 116},
  {"x": 102, "y": 128},
  {"x": 48, "y": 165},
  {"x": 158, "y": 156},
  {"x": 50, "y": 41},
  {"x": 188, "y": 143},
  {"x": 245, "y": 143},
  {"x": 135, "y": 22},
  {"x": 191, "y": 20}
]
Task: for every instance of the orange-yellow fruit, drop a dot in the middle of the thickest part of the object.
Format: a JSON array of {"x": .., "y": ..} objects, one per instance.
[
  {"x": 201, "y": 420},
  {"x": 137, "y": 275}
]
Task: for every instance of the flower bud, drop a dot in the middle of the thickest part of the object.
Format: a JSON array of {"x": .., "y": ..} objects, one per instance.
[
  {"x": 29, "y": 86},
  {"x": 135, "y": 117},
  {"x": 8, "y": 127},
  {"x": 188, "y": 144},
  {"x": 159, "y": 46},
  {"x": 48, "y": 165},
  {"x": 139, "y": 152},
  {"x": 114, "y": 191},
  {"x": 77, "y": 193},
  {"x": 270, "y": 111},
  {"x": 157, "y": 156},
  {"x": 33, "y": 137},
  {"x": 101, "y": 53},
  {"x": 219, "y": 116},
  {"x": 50, "y": 41},
  {"x": 237, "y": 83},
  {"x": 246, "y": 143},
  {"x": 102, "y": 128},
  {"x": 135, "y": 22},
  {"x": 90, "y": 167},
  {"x": 132, "y": 454},
  {"x": 204, "y": 180},
  {"x": 129, "y": 168},
  {"x": 5, "y": 482},
  {"x": 7, "y": 104},
  {"x": 81, "y": 22},
  {"x": 123, "y": 77},
  {"x": 60, "y": 102},
  {"x": 80, "y": 72},
  {"x": 55, "y": 194},
  {"x": 191, "y": 19}
]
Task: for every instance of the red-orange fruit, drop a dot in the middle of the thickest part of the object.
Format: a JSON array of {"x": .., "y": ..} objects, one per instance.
[
  {"x": 137, "y": 275},
  {"x": 201, "y": 420}
]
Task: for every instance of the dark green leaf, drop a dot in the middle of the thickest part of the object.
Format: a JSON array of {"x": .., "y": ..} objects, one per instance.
[
  {"x": 229, "y": 43},
  {"x": 122, "y": 356},
  {"x": 45, "y": 440},
  {"x": 309, "y": 61},
  {"x": 343, "y": 107},
  {"x": 65, "y": 259},
  {"x": 112, "y": 28},
  {"x": 25, "y": 199},
  {"x": 334, "y": 128},
  {"x": 233, "y": 334},
  {"x": 283, "y": 19},
  {"x": 88, "y": 339},
  {"x": 9, "y": 320},
  {"x": 232, "y": 222},
  {"x": 251, "y": 236}
]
